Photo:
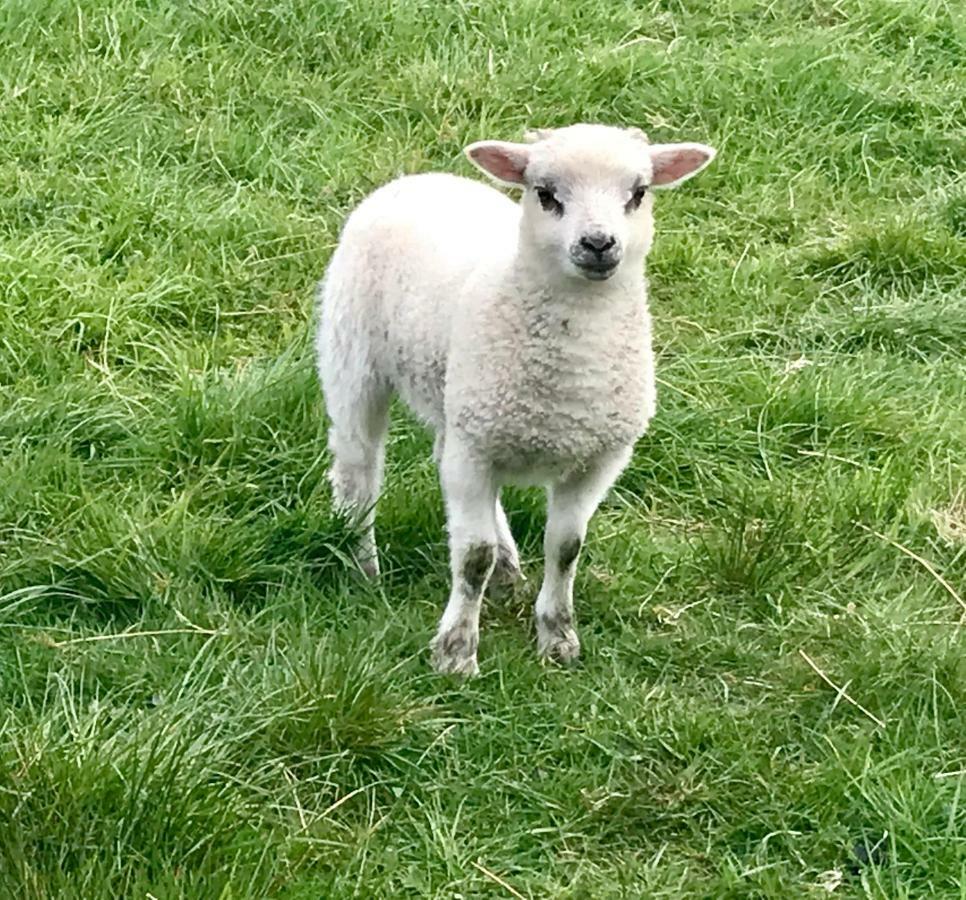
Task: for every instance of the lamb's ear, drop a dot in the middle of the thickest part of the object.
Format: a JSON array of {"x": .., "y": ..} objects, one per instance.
[
  {"x": 674, "y": 163},
  {"x": 501, "y": 160}
]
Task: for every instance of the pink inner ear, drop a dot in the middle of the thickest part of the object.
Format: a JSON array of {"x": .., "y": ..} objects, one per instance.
[
  {"x": 502, "y": 162},
  {"x": 675, "y": 163}
]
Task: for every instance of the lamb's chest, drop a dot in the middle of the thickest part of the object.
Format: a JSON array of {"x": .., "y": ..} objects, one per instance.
[{"x": 562, "y": 402}]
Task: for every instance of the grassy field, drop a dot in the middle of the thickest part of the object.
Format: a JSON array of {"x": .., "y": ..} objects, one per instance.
[{"x": 197, "y": 698}]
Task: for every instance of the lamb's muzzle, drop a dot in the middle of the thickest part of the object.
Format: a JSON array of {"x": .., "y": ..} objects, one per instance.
[{"x": 597, "y": 255}]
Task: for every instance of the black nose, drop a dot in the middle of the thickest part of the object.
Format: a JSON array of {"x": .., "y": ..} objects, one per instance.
[{"x": 597, "y": 242}]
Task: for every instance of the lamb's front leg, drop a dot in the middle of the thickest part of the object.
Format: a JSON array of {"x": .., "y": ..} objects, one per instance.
[
  {"x": 470, "y": 494},
  {"x": 572, "y": 501}
]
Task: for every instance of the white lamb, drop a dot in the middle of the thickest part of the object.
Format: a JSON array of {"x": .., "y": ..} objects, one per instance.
[{"x": 520, "y": 333}]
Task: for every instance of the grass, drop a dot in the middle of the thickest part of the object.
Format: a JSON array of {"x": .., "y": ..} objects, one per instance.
[{"x": 198, "y": 698}]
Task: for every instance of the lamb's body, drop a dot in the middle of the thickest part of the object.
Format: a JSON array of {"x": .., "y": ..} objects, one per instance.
[
  {"x": 529, "y": 364},
  {"x": 392, "y": 289},
  {"x": 425, "y": 296}
]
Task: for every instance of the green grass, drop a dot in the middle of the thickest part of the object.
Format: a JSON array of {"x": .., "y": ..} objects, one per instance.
[{"x": 198, "y": 699}]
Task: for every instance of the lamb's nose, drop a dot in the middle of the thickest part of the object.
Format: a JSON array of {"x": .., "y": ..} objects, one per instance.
[{"x": 597, "y": 242}]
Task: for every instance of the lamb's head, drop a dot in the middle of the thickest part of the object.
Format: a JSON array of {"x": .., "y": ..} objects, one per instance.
[{"x": 587, "y": 201}]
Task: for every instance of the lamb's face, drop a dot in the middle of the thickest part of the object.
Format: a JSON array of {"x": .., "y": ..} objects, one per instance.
[
  {"x": 587, "y": 206},
  {"x": 587, "y": 202}
]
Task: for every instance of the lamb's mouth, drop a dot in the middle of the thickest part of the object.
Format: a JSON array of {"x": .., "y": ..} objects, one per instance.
[{"x": 597, "y": 271}]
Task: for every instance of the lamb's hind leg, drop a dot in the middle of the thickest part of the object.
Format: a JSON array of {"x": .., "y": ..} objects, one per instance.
[
  {"x": 572, "y": 502},
  {"x": 506, "y": 573},
  {"x": 359, "y": 415}
]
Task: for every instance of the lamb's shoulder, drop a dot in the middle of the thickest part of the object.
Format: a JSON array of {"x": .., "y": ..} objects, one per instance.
[{"x": 548, "y": 385}]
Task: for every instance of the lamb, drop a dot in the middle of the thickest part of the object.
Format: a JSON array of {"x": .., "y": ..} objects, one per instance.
[{"x": 519, "y": 333}]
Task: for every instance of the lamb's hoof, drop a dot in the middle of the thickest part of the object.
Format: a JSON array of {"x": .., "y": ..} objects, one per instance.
[
  {"x": 369, "y": 568},
  {"x": 557, "y": 640},
  {"x": 366, "y": 561},
  {"x": 454, "y": 652},
  {"x": 505, "y": 579}
]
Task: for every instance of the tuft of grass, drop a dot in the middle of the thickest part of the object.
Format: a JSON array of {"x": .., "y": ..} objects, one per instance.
[{"x": 201, "y": 698}]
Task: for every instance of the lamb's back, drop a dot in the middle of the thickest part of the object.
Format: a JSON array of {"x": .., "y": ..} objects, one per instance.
[{"x": 403, "y": 258}]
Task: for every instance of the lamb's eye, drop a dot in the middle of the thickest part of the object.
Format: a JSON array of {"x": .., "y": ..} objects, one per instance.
[
  {"x": 548, "y": 200},
  {"x": 637, "y": 197}
]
